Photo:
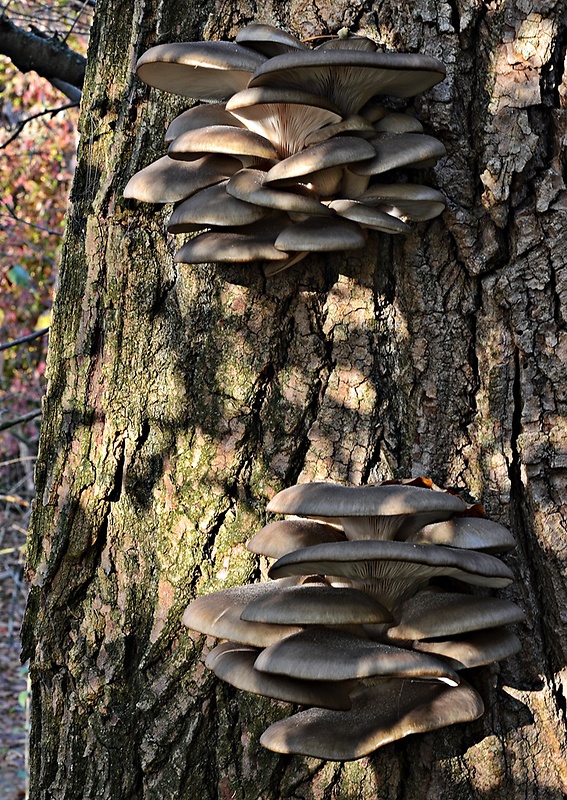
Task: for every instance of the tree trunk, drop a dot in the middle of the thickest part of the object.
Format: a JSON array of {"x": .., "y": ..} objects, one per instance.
[{"x": 181, "y": 398}]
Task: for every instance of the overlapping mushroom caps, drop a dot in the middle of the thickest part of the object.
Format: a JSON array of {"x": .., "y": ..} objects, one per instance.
[
  {"x": 299, "y": 143},
  {"x": 372, "y": 611}
]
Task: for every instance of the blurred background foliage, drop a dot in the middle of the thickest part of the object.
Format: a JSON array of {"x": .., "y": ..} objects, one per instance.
[
  {"x": 38, "y": 127},
  {"x": 38, "y": 137}
]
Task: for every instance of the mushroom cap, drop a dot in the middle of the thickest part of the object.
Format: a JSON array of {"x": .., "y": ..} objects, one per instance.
[
  {"x": 333, "y": 655},
  {"x": 318, "y": 234},
  {"x": 234, "y": 663},
  {"x": 474, "y": 533},
  {"x": 410, "y": 200},
  {"x": 200, "y": 117},
  {"x": 330, "y": 153},
  {"x": 474, "y": 649},
  {"x": 430, "y": 615},
  {"x": 319, "y": 499},
  {"x": 285, "y": 119},
  {"x": 349, "y": 43},
  {"x": 392, "y": 571},
  {"x": 263, "y": 95},
  {"x": 368, "y": 216},
  {"x": 401, "y": 150},
  {"x": 237, "y": 246},
  {"x": 349, "y": 78},
  {"x": 218, "y": 614},
  {"x": 168, "y": 180},
  {"x": 396, "y": 122},
  {"x": 227, "y": 139},
  {"x": 283, "y": 536},
  {"x": 211, "y": 71},
  {"x": 213, "y": 206},
  {"x": 316, "y": 604},
  {"x": 268, "y": 40},
  {"x": 351, "y": 124},
  {"x": 249, "y": 185},
  {"x": 380, "y": 714}
]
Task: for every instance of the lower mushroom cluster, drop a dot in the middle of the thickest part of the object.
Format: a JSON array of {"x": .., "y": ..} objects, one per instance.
[{"x": 360, "y": 621}]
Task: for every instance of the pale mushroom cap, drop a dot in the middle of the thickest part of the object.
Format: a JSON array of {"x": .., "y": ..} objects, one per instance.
[
  {"x": 318, "y": 234},
  {"x": 349, "y": 78},
  {"x": 213, "y": 206},
  {"x": 331, "y": 153},
  {"x": 475, "y": 533},
  {"x": 316, "y": 604},
  {"x": 333, "y": 655},
  {"x": 231, "y": 141},
  {"x": 395, "y": 122},
  {"x": 474, "y": 649},
  {"x": 333, "y": 500},
  {"x": 430, "y": 615},
  {"x": 249, "y": 185},
  {"x": 200, "y": 117},
  {"x": 286, "y": 125},
  {"x": 218, "y": 614},
  {"x": 168, "y": 180},
  {"x": 211, "y": 71},
  {"x": 283, "y": 536},
  {"x": 234, "y": 663},
  {"x": 390, "y": 710}
]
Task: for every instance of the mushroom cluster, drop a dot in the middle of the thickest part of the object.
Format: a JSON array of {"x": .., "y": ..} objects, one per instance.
[
  {"x": 293, "y": 150},
  {"x": 369, "y": 617}
]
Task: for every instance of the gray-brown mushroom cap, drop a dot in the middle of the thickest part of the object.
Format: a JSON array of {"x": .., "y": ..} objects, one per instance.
[
  {"x": 331, "y": 153},
  {"x": 200, "y": 117},
  {"x": 349, "y": 78},
  {"x": 410, "y": 200},
  {"x": 234, "y": 663},
  {"x": 320, "y": 499},
  {"x": 211, "y": 71},
  {"x": 402, "y": 150},
  {"x": 474, "y": 533},
  {"x": 168, "y": 180},
  {"x": 231, "y": 141},
  {"x": 233, "y": 246},
  {"x": 368, "y": 216},
  {"x": 213, "y": 206},
  {"x": 319, "y": 234},
  {"x": 316, "y": 604},
  {"x": 333, "y": 655},
  {"x": 390, "y": 710},
  {"x": 392, "y": 571},
  {"x": 473, "y": 649},
  {"x": 268, "y": 40},
  {"x": 369, "y": 512},
  {"x": 283, "y": 536},
  {"x": 249, "y": 185},
  {"x": 218, "y": 614},
  {"x": 430, "y": 615}
]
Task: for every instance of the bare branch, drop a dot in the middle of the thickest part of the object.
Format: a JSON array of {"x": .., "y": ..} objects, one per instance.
[
  {"x": 22, "y": 340},
  {"x": 48, "y": 111},
  {"x": 47, "y": 55},
  {"x": 18, "y": 420}
]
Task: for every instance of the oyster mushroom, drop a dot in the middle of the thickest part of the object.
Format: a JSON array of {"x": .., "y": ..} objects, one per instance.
[
  {"x": 234, "y": 663},
  {"x": 369, "y": 512},
  {"x": 390, "y": 710}
]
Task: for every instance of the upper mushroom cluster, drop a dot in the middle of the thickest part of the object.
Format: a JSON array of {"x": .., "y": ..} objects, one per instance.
[
  {"x": 369, "y": 617},
  {"x": 293, "y": 149}
]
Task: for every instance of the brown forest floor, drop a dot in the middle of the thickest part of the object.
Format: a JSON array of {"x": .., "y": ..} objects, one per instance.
[{"x": 16, "y": 492}]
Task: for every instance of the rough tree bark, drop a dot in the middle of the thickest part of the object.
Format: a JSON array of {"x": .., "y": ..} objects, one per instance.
[{"x": 179, "y": 400}]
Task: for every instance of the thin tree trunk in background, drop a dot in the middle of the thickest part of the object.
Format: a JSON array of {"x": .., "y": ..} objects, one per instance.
[{"x": 181, "y": 398}]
